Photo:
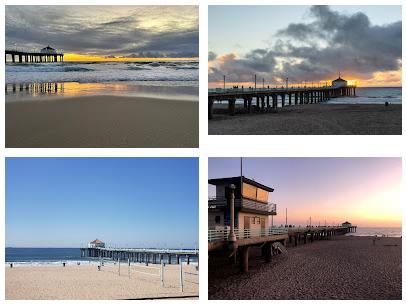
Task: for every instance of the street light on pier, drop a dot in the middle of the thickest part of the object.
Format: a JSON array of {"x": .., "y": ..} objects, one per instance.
[
  {"x": 255, "y": 81},
  {"x": 287, "y": 82},
  {"x": 224, "y": 82}
]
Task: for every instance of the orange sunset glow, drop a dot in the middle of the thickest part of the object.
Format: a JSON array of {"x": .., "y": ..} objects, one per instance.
[
  {"x": 363, "y": 191},
  {"x": 80, "y": 57}
]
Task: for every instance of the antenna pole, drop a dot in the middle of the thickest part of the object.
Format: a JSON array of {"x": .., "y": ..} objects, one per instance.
[
  {"x": 241, "y": 177},
  {"x": 286, "y": 217}
]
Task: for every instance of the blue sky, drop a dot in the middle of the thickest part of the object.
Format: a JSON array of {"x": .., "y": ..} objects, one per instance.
[
  {"x": 364, "y": 191},
  {"x": 67, "y": 202}
]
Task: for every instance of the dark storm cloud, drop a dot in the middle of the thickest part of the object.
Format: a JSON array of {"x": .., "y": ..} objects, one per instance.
[
  {"x": 318, "y": 50},
  {"x": 80, "y": 30}
]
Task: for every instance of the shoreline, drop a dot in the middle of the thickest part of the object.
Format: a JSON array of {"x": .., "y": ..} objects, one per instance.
[
  {"x": 316, "y": 119},
  {"x": 102, "y": 121},
  {"x": 345, "y": 267}
]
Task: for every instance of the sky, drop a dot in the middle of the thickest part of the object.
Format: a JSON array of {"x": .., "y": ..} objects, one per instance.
[
  {"x": 363, "y": 191},
  {"x": 127, "y": 202},
  {"x": 305, "y": 43},
  {"x": 96, "y": 32}
]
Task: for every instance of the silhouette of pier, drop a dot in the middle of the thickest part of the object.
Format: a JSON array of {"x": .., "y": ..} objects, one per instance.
[
  {"x": 47, "y": 54},
  {"x": 266, "y": 99}
]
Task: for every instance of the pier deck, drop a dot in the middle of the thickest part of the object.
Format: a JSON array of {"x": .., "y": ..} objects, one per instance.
[
  {"x": 33, "y": 57},
  {"x": 265, "y": 239},
  {"x": 267, "y": 98},
  {"x": 154, "y": 256}
]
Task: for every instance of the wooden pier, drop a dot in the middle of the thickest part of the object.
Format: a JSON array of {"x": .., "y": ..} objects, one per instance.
[
  {"x": 266, "y": 99},
  {"x": 147, "y": 256},
  {"x": 238, "y": 249},
  {"x": 34, "y": 57}
]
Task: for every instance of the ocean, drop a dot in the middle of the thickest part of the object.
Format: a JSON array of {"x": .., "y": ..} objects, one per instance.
[
  {"x": 52, "y": 257},
  {"x": 379, "y": 231},
  {"x": 371, "y": 96},
  {"x": 132, "y": 78}
]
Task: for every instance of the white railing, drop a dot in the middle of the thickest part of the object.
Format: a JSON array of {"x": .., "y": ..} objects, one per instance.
[{"x": 222, "y": 234}]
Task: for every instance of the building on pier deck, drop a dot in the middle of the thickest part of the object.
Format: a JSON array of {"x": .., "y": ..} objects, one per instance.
[
  {"x": 339, "y": 82},
  {"x": 252, "y": 206},
  {"x": 96, "y": 244},
  {"x": 48, "y": 50}
]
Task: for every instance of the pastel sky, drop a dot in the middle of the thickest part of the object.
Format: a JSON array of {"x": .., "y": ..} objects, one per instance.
[
  {"x": 305, "y": 43},
  {"x": 106, "y": 31},
  {"x": 363, "y": 191},
  {"x": 131, "y": 202}
]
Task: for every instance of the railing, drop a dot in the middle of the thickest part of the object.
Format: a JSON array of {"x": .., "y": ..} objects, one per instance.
[
  {"x": 148, "y": 250},
  {"x": 221, "y": 202},
  {"x": 250, "y": 89},
  {"x": 222, "y": 234}
]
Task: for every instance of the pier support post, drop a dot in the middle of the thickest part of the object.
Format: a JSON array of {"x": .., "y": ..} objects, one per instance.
[
  {"x": 249, "y": 104},
  {"x": 274, "y": 102},
  {"x": 290, "y": 99},
  {"x": 244, "y": 255},
  {"x": 231, "y": 107},
  {"x": 211, "y": 101},
  {"x": 296, "y": 98},
  {"x": 283, "y": 99},
  {"x": 267, "y": 252}
]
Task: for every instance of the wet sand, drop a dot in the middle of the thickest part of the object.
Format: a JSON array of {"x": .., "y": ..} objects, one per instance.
[
  {"x": 343, "y": 268},
  {"x": 86, "y": 282},
  {"x": 102, "y": 121},
  {"x": 317, "y": 119}
]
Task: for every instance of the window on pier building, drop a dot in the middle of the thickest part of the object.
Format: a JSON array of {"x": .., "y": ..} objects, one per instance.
[{"x": 255, "y": 193}]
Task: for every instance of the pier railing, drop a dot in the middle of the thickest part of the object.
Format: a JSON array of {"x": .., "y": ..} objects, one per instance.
[
  {"x": 222, "y": 234},
  {"x": 221, "y": 202}
]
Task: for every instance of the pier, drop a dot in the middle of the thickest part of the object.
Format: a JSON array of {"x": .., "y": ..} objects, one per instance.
[
  {"x": 266, "y": 99},
  {"x": 154, "y": 256},
  {"x": 219, "y": 240},
  {"x": 46, "y": 54}
]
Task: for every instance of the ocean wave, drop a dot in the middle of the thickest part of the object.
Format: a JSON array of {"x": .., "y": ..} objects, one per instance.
[
  {"x": 136, "y": 68},
  {"x": 101, "y": 72},
  {"x": 76, "y": 69}
]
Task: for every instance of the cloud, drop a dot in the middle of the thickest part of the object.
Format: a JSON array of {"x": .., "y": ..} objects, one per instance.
[
  {"x": 317, "y": 50},
  {"x": 106, "y": 30}
]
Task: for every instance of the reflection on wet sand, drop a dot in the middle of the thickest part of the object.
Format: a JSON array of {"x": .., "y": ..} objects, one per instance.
[
  {"x": 20, "y": 91},
  {"x": 35, "y": 89}
]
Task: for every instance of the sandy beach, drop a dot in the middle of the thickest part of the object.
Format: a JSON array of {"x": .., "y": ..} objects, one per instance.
[
  {"x": 317, "y": 119},
  {"x": 342, "y": 268},
  {"x": 86, "y": 282},
  {"x": 102, "y": 121}
]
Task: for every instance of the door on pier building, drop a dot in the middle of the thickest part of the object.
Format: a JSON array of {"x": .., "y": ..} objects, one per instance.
[
  {"x": 247, "y": 223},
  {"x": 262, "y": 226}
]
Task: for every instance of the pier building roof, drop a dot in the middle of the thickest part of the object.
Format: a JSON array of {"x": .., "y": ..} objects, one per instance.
[{"x": 236, "y": 181}]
